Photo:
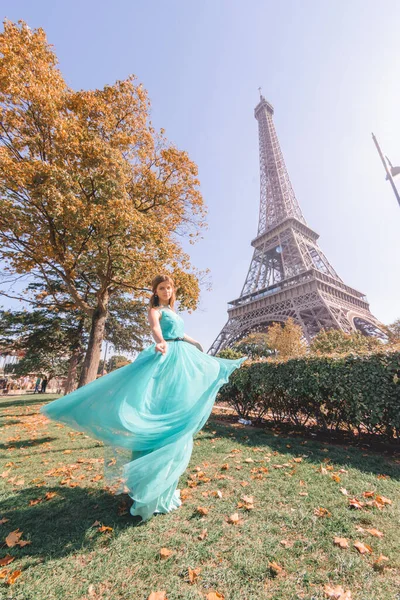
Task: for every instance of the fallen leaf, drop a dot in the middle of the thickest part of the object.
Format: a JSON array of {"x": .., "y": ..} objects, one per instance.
[
  {"x": 275, "y": 568},
  {"x": 298, "y": 460},
  {"x": 217, "y": 494},
  {"x": 375, "y": 532},
  {"x": 12, "y": 577},
  {"x": 202, "y": 510},
  {"x": 215, "y": 596},
  {"x": 248, "y": 499},
  {"x": 50, "y": 495},
  {"x": 380, "y": 563},
  {"x": 13, "y": 538},
  {"x": 337, "y": 592},
  {"x": 234, "y": 519},
  {"x": 368, "y": 494},
  {"x": 225, "y": 467},
  {"x": 6, "y": 560},
  {"x": 165, "y": 553},
  {"x": 342, "y": 542},
  {"x": 362, "y": 548},
  {"x": 382, "y": 500},
  {"x": 193, "y": 574},
  {"x": 158, "y": 596},
  {"x": 322, "y": 512},
  {"x": 96, "y": 524},
  {"x": 104, "y": 528},
  {"x": 203, "y": 534},
  {"x": 355, "y": 503}
]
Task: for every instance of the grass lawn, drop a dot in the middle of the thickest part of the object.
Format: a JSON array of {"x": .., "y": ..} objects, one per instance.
[{"x": 280, "y": 545}]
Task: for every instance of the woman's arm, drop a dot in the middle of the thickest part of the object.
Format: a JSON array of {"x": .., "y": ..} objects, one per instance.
[
  {"x": 194, "y": 342},
  {"x": 154, "y": 320}
]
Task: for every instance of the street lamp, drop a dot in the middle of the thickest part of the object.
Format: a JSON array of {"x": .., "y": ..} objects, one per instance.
[{"x": 390, "y": 172}]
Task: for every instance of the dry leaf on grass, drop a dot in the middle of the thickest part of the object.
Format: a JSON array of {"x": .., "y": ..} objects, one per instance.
[
  {"x": 382, "y": 500},
  {"x": 362, "y": 548},
  {"x": 202, "y": 510},
  {"x": 355, "y": 503},
  {"x": 275, "y": 569},
  {"x": 13, "y": 538},
  {"x": 158, "y": 596},
  {"x": 193, "y": 574},
  {"x": 104, "y": 528},
  {"x": 215, "y": 596},
  {"x": 6, "y": 560},
  {"x": 234, "y": 519},
  {"x": 217, "y": 494},
  {"x": 165, "y": 553},
  {"x": 322, "y": 512},
  {"x": 375, "y": 532},
  {"x": 380, "y": 563},
  {"x": 12, "y": 577},
  {"x": 337, "y": 592},
  {"x": 203, "y": 534},
  {"x": 342, "y": 542}
]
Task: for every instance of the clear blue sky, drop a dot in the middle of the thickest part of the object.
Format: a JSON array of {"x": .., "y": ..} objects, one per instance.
[{"x": 330, "y": 69}]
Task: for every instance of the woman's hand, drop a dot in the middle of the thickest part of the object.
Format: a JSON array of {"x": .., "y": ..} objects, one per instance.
[
  {"x": 162, "y": 347},
  {"x": 199, "y": 346}
]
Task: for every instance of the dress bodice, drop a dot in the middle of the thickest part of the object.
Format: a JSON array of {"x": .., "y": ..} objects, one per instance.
[{"x": 171, "y": 323}]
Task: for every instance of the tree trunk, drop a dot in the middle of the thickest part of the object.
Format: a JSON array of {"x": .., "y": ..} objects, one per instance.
[
  {"x": 74, "y": 361},
  {"x": 92, "y": 357}
]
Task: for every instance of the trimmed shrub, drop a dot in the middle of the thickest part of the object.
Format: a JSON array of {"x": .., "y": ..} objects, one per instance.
[{"x": 350, "y": 392}]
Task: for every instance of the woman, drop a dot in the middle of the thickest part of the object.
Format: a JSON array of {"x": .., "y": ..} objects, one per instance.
[{"x": 150, "y": 408}]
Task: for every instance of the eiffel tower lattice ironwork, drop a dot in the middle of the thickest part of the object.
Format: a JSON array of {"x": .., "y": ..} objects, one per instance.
[{"x": 289, "y": 276}]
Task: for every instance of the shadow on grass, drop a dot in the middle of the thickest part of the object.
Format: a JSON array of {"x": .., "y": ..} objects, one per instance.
[
  {"x": 29, "y": 443},
  {"x": 64, "y": 524},
  {"x": 344, "y": 454},
  {"x": 40, "y": 398}
]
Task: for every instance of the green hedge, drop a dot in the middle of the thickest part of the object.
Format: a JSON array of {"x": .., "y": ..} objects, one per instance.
[{"x": 349, "y": 392}]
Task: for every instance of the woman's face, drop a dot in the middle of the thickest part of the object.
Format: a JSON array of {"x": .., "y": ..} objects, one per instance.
[{"x": 164, "y": 291}]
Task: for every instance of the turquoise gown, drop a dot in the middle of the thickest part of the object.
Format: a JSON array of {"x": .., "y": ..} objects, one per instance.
[{"x": 147, "y": 413}]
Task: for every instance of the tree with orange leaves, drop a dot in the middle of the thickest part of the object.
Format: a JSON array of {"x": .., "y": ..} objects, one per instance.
[{"x": 90, "y": 194}]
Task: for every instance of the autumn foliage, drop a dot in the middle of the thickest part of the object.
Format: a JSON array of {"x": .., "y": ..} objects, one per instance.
[{"x": 90, "y": 193}]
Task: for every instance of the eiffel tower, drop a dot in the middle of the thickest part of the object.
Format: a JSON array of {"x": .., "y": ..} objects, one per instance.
[{"x": 289, "y": 276}]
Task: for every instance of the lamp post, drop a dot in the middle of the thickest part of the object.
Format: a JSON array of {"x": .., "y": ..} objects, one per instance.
[{"x": 390, "y": 173}]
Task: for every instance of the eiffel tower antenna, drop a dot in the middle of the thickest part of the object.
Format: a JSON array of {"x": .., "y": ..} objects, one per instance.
[{"x": 289, "y": 276}]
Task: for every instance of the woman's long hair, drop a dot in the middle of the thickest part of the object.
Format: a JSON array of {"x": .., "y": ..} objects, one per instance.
[{"x": 154, "y": 300}]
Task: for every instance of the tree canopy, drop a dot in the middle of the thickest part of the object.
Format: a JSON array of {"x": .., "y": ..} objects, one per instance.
[{"x": 91, "y": 195}]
